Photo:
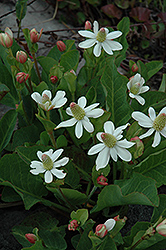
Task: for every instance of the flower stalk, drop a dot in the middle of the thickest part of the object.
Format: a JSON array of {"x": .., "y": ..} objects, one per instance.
[{"x": 36, "y": 66}]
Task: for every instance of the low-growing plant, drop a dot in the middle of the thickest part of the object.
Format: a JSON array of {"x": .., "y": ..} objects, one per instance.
[{"x": 88, "y": 142}]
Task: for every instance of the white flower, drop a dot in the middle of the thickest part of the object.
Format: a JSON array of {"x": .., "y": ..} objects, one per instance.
[
  {"x": 157, "y": 124},
  {"x": 80, "y": 116},
  {"x": 45, "y": 102},
  {"x": 135, "y": 86},
  {"x": 102, "y": 38},
  {"x": 49, "y": 165},
  {"x": 110, "y": 145}
]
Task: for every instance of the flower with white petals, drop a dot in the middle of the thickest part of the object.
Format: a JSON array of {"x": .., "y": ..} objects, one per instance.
[
  {"x": 135, "y": 87},
  {"x": 48, "y": 164},
  {"x": 103, "y": 229},
  {"x": 102, "y": 38},
  {"x": 45, "y": 102},
  {"x": 110, "y": 145},
  {"x": 80, "y": 116},
  {"x": 157, "y": 124}
]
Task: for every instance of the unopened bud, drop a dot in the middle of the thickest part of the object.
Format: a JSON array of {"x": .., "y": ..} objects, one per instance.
[
  {"x": 35, "y": 36},
  {"x": 21, "y": 56},
  {"x": 134, "y": 68},
  {"x": 31, "y": 238},
  {"x": 102, "y": 180},
  {"x": 73, "y": 72},
  {"x": 161, "y": 228},
  {"x": 88, "y": 25},
  {"x": 61, "y": 46},
  {"x": 54, "y": 79},
  {"x": 101, "y": 230},
  {"x": 21, "y": 77},
  {"x": 73, "y": 225},
  {"x": 6, "y": 39}
]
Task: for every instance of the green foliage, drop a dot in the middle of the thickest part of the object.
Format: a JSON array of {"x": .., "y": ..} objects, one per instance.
[{"x": 21, "y": 8}]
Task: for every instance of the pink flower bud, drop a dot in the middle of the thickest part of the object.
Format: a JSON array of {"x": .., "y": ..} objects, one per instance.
[
  {"x": 21, "y": 56},
  {"x": 35, "y": 36},
  {"x": 117, "y": 218},
  {"x": 102, "y": 180},
  {"x": 31, "y": 238},
  {"x": 73, "y": 72},
  {"x": 61, "y": 46},
  {"x": 134, "y": 68},
  {"x": 101, "y": 230},
  {"x": 161, "y": 228},
  {"x": 73, "y": 225},
  {"x": 88, "y": 25},
  {"x": 54, "y": 79},
  {"x": 6, "y": 39},
  {"x": 21, "y": 77}
]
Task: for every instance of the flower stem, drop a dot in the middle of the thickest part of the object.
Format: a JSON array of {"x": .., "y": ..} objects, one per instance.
[
  {"x": 51, "y": 135},
  {"x": 81, "y": 170},
  {"x": 30, "y": 85},
  {"x": 37, "y": 68},
  {"x": 114, "y": 172},
  {"x": 137, "y": 243}
]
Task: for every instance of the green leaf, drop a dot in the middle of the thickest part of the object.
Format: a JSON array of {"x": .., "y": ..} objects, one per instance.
[
  {"x": 61, "y": 141},
  {"x": 21, "y": 8},
  {"x": 137, "y": 190},
  {"x": 7, "y": 125},
  {"x": 69, "y": 60},
  {"x": 81, "y": 215},
  {"x": 26, "y": 134},
  {"x": 154, "y": 166},
  {"x": 37, "y": 246},
  {"x": 163, "y": 84},
  {"x": 153, "y": 67},
  {"x": 9, "y": 195},
  {"x": 107, "y": 244},
  {"x": 160, "y": 210},
  {"x": 48, "y": 125},
  {"x": 3, "y": 90},
  {"x": 72, "y": 178},
  {"x": 47, "y": 63},
  {"x": 15, "y": 173},
  {"x": 85, "y": 242},
  {"x": 116, "y": 87}
]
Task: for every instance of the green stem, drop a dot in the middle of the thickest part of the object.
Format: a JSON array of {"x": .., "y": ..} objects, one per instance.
[
  {"x": 37, "y": 68},
  {"x": 91, "y": 193},
  {"x": 137, "y": 243},
  {"x": 59, "y": 207},
  {"x": 88, "y": 187},
  {"x": 19, "y": 28},
  {"x": 51, "y": 135},
  {"x": 72, "y": 207},
  {"x": 30, "y": 85}
]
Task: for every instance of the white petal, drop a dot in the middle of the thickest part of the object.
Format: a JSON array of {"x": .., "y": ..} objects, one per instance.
[
  {"x": 114, "y": 34},
  {"x": 82, "y": 101},
  {"x": 36, "y": 172},
  {"x": 78, "y": 129},
  {"x": 152, "y": 113},
  {"x": 129, "y": 85},
  {"x": 68, "y": 111},
  {"x": 88, "y": 126},
  {"x": 56, "y": 154},
  {"x": 123, "y": 153},
  {"x": 99, "y": 136},
  {"x": 35, "y": 164},
  {"x": 59, "y": 94},
  {"x": 110, "y": 223},
  {"x": 143, "y": 120},
  {"x": 157, "y": 139},
  {"x": 61, "y": 162},
  {"x": 103, "y": 157},
  {"x": 144, "y": 89},
  {"x": 48, "y": 177},
  {"x": 137, "y": 78},
  {"x": 92, "y": 106},
  {"x": 49, "y": 152},
  {"x": 87, "y": 33},
  {"x": 39, "y": 155},
  {"x": 109, "y": 127},
  {"x": 67, "y": 123},
  {"x": 106, "y": 46},
  {"x": 36, "y": 97},
  {"x": 163, "y": 132},
  {"x": 148, "y": 133},
  {"x": 87, "y": 43},
  {"x": 58, "y": 173},
  {"x": 162, "y": 111},
  {"x": 48, "y": 93},
  {"x": 113, "y": 154},
  {"x": 118, "y": 131},
  {"x": 96, "y": 149},
  {"x": 125, "y": 144},
  {"x": 95, "y": 113},
  {"x": 97, "y": 50},
  {"x": 115, "y": 45},
  {"x": 140, "y": 99},
  {"x": 59, "y": 103},
  {"x": 95, "y": 27},
  {"x": 131, "y": 95}
]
